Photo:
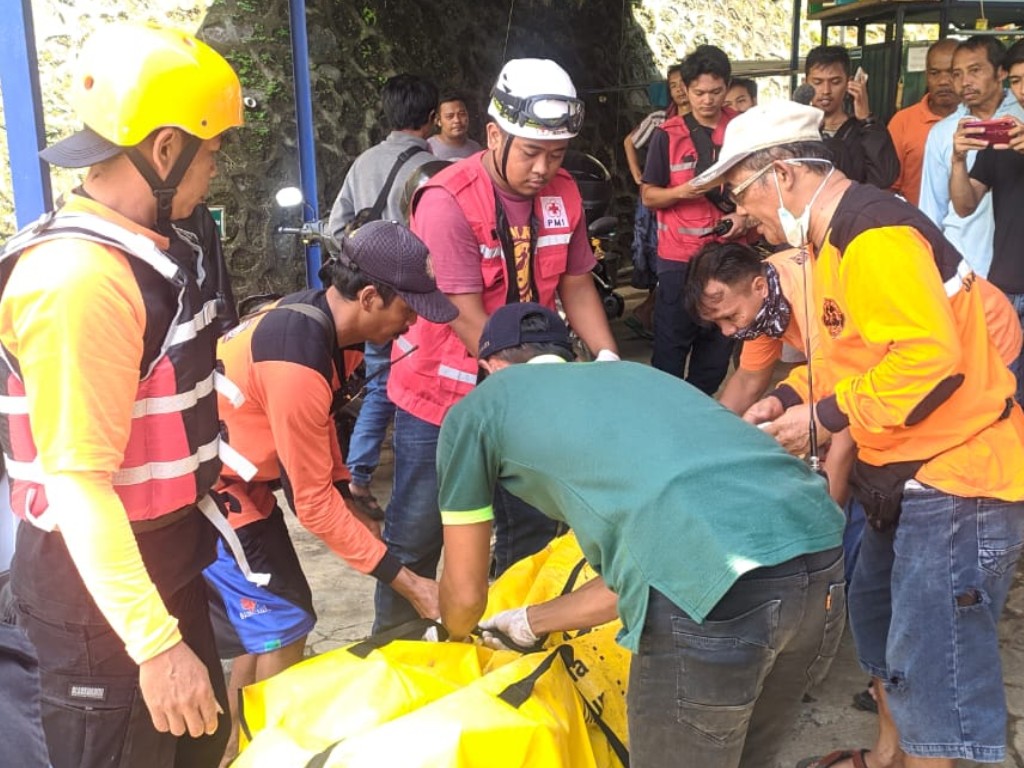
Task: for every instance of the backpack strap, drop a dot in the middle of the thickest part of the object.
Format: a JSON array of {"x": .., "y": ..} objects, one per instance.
[{"x": 382, "y": 199}]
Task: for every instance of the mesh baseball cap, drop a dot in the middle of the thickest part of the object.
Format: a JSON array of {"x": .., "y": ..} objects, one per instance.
[
  {"x": 503, "y": 329},
  {"x": 390, "y": 254},
  {"x": 761, "y": 127}
]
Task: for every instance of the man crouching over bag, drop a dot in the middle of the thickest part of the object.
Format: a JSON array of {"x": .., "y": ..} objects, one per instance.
[{"x": 748, "y": 599}]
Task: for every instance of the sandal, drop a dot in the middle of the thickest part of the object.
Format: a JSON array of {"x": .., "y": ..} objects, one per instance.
[
  {"x": 366, "y": 503},
  {"x": 832, "y": 758},
  {"x": 636, "y": 326}
]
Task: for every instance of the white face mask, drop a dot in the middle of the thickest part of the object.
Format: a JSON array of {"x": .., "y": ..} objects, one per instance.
[{"x": 795, "y": 229}]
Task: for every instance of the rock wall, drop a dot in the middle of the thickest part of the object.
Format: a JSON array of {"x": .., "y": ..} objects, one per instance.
[{"x": 612, "y": 49}]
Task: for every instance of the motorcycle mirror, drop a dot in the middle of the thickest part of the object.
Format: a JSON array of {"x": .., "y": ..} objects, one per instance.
[{"x": 289, "y": 197}]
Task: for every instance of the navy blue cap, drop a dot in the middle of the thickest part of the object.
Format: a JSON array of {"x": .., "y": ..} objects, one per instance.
[{"x": 503, "y": 329}]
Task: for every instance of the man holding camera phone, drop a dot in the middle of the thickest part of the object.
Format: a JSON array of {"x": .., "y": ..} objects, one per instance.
[
  {"x": 688, "y": 218},
  {"x": 999, "y": 167}
]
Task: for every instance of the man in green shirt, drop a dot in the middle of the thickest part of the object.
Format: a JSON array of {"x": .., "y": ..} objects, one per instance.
[{"x": 719, "y": 551}]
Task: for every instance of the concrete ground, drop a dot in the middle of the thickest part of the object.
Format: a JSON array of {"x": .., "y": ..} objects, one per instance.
[{"x": 344, "y": 603}]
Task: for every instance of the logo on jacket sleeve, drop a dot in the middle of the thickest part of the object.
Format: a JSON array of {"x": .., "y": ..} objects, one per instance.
[
  {"x": 832, "y": 318},
  {"x": 554, "y": 213}
]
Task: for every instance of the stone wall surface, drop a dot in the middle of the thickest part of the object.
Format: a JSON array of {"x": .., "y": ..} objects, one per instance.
[{"x": 612, "y": 49}]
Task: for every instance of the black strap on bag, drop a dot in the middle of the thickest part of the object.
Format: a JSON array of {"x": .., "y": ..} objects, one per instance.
[
  {"x": 375, "y": 211},
  {"x": 707, "y": 155},
  {"x": 410, "y": 630},
  {"x": 516, "y": 694}
]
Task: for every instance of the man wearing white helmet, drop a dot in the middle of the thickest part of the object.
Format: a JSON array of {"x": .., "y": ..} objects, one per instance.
[
  {"x": 108, "y": 414},
  {"x": 503, "y": 226}
]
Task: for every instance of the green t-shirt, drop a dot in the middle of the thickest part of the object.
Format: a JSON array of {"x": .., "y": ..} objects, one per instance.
[{"x": 676, "y": 493}]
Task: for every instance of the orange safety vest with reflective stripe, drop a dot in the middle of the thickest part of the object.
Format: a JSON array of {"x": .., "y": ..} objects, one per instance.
[
  {"x": 442, "y": 370},
  {"x": 682, "y": 227},
  {"x": 174, "y": 450}
]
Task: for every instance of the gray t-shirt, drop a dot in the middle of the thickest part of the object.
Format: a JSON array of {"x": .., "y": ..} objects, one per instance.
[
  {"x": 366, "y": 178},
  {"x": 444, "y": 151}
]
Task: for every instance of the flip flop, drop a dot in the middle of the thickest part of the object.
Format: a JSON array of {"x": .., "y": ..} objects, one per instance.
[
  {"x": 367, "y": 504},
  {"x": 636, "y": 326},
  {"x": 833, "y": 758}
]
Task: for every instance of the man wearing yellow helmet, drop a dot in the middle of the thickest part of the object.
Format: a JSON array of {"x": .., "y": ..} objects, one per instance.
[{"x": 109, "y": 316}]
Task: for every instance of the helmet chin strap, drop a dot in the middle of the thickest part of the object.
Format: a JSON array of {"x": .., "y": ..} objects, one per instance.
[
  {"x": 165, "y": 189},
  {"x": 502, "y": 169}
]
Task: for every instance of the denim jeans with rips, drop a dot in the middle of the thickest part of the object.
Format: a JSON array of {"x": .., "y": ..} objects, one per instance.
[{"x": 924, "y": 607}]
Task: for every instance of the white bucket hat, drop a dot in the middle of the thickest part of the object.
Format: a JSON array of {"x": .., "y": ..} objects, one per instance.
[{"x": 761, "y": 127}]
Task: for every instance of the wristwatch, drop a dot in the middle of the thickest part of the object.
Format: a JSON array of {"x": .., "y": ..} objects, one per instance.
[{"x": 869, "y": 120}]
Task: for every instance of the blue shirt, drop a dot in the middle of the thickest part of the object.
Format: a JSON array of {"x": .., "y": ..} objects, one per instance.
[{"x": 972, "y": 235}]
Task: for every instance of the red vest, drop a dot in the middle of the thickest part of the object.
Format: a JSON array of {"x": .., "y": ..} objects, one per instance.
[
  {"x": 680, "y": 228},
  {"x": 442, "y": 371},
  {"x": 172, "y": 458}
]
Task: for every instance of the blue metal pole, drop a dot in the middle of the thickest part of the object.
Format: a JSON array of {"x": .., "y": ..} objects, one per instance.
[
  {"x": 19, "y": 73},
  {"x": 306, "y": 135}
]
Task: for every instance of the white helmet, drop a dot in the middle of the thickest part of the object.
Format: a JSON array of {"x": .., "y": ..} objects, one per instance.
[{"x": 535, "y": 99}]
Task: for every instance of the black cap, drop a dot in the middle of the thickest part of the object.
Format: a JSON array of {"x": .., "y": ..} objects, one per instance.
[
  {"x": 503, "y": 329},
  {"x": 390, "y": 254},
  {"x": 80, "y": 150}
]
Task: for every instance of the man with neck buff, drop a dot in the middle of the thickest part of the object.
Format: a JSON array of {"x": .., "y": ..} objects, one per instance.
[{"x": 905, "y": 360}]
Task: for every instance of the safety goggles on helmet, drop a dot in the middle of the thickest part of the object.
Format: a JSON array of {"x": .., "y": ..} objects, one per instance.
[{"x": 553, "y": 112}]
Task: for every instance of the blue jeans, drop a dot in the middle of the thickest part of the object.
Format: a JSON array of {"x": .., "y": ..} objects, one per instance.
[
  {"x": 372, "y": 423},
  {"x": 852, "y": 534},
  {"x": 520, "y": 530},
  {"x": 412, "y": 521},
  {"x": 1017, "y": 366},
  {"x": 924, "y": 605},
  {"x": 681, "y": 345},
  {"x": 727, "y": 691}
]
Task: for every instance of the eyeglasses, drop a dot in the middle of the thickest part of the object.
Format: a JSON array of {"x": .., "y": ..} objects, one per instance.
[
  {"x": 529, "y": 110},
  {"x": 734, "y": 193}
]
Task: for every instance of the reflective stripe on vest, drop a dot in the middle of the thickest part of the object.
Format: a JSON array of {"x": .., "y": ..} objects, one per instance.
[
  {"x": 174, "y": 409},
  {"x": 956, "y": 282},
  {"x": 686, "y": 166},
  {"x": 490, "y": 253},
  {"x": 454, "y": 373}
]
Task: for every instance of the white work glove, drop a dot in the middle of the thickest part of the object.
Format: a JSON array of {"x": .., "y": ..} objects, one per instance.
[
  {"x": 606, "y": 356},
  {"x": 514, "y": 626}
]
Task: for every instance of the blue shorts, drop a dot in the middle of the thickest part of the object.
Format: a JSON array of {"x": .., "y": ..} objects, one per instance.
[
  {"x": 251, "y": 619},
  {"x": 924, "y": 604}
]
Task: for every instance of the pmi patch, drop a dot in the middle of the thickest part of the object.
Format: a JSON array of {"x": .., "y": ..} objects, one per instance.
[
  {"x": 84, "y": 692},
  {"x": 555, "y": 216}
]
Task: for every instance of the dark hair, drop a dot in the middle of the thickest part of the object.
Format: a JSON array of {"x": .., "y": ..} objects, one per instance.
[
  {"x": 530, "y": 350},
  {"x": 1014, "y": 56},
  {"x": 826, "y": 56},
  {"x": 995, "y": 51},
  {"x": 812, "y": 150},
  {"x": 447, "y": 96},
  {"x": 746, "y": 84},
  {"x": 674, "y": 69},
  {"x": 408, "y": 101},
  {"x": 348, "y": 280},
  {"x": 728, "y": 263},
  {"x": 705, "y": 60}
]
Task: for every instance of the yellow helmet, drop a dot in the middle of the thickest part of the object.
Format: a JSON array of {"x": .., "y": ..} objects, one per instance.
[{"x": 131, "y": 80}]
